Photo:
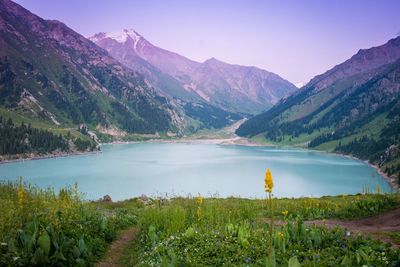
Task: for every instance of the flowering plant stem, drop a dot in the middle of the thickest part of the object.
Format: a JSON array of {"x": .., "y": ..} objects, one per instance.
[{"x": 271, "y": 217}]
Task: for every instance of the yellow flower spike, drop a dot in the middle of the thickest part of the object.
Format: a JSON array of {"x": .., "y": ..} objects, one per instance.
[
  {"x": 268, "y": 186},
  {"x": 268, "y": 181},
  {"x": 280, "y": 234},
  {"x": 199, "y": 199},
  {"x": 378, "y": 189},
  {"x": 285, "y": 213}
]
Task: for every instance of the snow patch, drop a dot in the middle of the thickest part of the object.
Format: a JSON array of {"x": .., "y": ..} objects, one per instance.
[
  {"x": 300, "y": 84},
  {"x": 121, "y": 37}
]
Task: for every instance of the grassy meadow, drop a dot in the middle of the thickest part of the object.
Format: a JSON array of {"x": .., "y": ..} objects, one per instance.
[{"x": 42, "y": 227}]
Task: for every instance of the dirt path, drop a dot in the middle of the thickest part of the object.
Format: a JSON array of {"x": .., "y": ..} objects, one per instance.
[
  {"x": 376, "y": 226},
  {"x": 115, "y": 251}
]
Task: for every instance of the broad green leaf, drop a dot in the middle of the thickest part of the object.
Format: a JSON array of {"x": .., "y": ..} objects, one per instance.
[
  {"x": 294, "y": 262},
  {"x": 44, "y": 243}
]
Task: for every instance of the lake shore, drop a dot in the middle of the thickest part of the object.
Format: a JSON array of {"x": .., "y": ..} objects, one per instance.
[
  {"x": 34, "y": 156},
  {"x": 393, "y": 182},
  {"x": 229, "y": 139},
  {"x": 391, "y": 179},
  {"x": 225, "y": 136},
  {"x": 241, "y": 141}
]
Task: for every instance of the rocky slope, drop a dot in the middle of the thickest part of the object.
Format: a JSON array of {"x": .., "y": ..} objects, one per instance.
[{"x": 230, "y": 87}]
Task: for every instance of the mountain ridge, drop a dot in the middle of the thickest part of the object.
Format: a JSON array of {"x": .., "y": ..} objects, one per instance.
[
  {"x": 243, "y": 91},
  {"x": 50, "y": 69},
  {"x": 352, "y": 108}
]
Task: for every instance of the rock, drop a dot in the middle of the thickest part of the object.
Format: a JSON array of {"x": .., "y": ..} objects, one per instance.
[
  {"x": 145, "y": 199},
  {"x": 106, "y": 198}
]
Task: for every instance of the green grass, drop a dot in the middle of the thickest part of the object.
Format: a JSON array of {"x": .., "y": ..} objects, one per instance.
[
  {"x": 289, "y": 140},
  {"x": 19, "y": 118},
  {"x": 234, "y": 232},
  {"x": 373, "y": 128},
  {"x": 394, "y": 236},
  {"x": 43, "y": 227}
]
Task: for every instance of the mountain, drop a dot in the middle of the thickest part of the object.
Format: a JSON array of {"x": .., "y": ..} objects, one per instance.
[
  {"x": 49, "y": 72},
  {"x": 234, "y": 88},
  {"x": 353, "y": 108}
]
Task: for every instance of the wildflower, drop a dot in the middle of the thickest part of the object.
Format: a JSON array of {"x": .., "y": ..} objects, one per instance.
[
  {"x": 285, "y": 213},
  {"x": 199, "y": 200},
  {"x": 378, "y": 189},
  {"x": 280, "y": 234},
  {"x": 268, "y": 185},
  {"x": 268, "y": 181}
]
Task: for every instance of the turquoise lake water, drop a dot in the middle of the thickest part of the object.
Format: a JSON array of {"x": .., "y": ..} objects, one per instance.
[{"x": 128, "y": 170}]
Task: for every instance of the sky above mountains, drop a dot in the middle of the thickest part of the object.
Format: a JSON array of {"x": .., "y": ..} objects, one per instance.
[{"x": 295, "y": 39}]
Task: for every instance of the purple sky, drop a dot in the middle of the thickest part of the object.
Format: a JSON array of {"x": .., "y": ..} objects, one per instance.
[{"x": 295, "y": 39}]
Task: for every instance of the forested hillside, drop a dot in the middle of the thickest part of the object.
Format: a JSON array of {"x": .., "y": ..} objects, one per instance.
[
  {"x": 51, "y": 73},
  {"x": 355, "y": 113},
  {"x": 22, "y": 139}
]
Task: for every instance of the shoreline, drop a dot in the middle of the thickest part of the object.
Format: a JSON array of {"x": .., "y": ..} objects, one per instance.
[
  {"x": 240, "y": 141},
  {"x": 233, "y": 141},
  {"x": 390, "y": 179},
  {"x": 49, "y": 156}
]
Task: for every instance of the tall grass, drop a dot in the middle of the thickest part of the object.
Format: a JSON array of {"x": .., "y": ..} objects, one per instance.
[
  {"x": 41, "y": 227},
  {"x": 234, "y": 231}
]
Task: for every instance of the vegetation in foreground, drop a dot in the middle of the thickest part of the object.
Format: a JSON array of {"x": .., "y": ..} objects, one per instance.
[
  {"x": 41, "y": 227},
  {"x": 236, "y": 232}
]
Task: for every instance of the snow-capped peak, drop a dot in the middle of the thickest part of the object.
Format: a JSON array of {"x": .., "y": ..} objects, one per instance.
[{"x": 121, "y": 37}]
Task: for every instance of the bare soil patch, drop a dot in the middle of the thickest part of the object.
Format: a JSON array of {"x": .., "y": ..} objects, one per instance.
[
  {"x": 115, "y": 251},
  {"x": 376, "y": 226}
]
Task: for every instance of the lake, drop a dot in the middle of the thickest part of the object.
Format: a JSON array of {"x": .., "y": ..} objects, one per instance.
[{"x": 128, "y": 170}]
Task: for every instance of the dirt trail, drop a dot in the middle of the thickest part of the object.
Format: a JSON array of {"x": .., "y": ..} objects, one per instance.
[
  {"x": 115, "y": 251},
  {"x": 376, "y": 226}
]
